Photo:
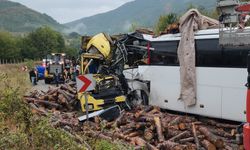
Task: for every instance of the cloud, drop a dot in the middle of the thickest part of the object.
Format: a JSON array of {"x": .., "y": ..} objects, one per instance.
[
  {"x": 69, "y": 10},
  {"x": 79, "y": 28}
]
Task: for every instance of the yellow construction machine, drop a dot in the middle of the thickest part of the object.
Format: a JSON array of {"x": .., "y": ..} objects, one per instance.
[
  {"x": 105, "y": 57},
  {"x": 97, "y": 60},
  {"x": 54, "y": 65}
]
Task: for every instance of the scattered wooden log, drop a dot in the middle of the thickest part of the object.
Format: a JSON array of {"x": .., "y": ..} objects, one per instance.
[
  {"x": 159, "y": 129},
  {"x": 36, "y": 109},
  {"x": 94, "y": 134},
  {"x": 195, "y": 136},
  {"x": 218, "y": 142},
  {"x": 221, "y": 132},
  {"x": 120, "y": 120},
  {"x": 43, "y": 102},
  {"x": 168, "y": 145},
  {"x": 180, "y": 136},
  {"x": 173, "y": 132},
  {"x": 143, "y": 111},
  {"x": 68, "y": 98},
  {"x": 177, "y": 120},
  {"x": 207, "y": 145},
  {"x": 148, "y": 134},
  {"x": 233, "y": 132},
  {"x": 190, "y": 139},
  {"x": 140, "y": 142},
  {"x": 182, "y": 126},
  {"x": 219, "y": 125},
  {"x": 68, "y": 88}
]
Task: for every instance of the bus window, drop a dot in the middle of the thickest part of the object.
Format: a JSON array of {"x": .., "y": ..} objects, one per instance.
[
  {"x": 208, "y": 53},
  {"x": 235, "y": 57},
  {"x": 165, "y": 53},
  {"x": 164, "y": 58}
]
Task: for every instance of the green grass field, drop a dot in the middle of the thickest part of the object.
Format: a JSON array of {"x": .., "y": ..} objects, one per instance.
[{"x": 20, "y": 129}]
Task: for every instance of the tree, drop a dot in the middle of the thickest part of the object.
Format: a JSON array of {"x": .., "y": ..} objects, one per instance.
[
  {"x": 164, "y": 21},
  {"x": 71, "y": 52},
  {"x": 133, "y": 27},
  {"x": 8, "y": 46},
  {"x": 73, "y": 44},
  {"x": 210, "y": 13},
  {"x": 41, "y": 42}
]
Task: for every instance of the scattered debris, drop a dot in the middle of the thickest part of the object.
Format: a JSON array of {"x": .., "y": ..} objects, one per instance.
[
  {"x": 144, "y": 126},
  {"x": 62, "y": 99},
  {"x": 148, "y": 126}
]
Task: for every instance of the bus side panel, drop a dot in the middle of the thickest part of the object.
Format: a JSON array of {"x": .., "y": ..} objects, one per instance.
[
  {"x": 220, "y": 92},
  {"x": 231, "y": 82},
  {"x": 208, "y": 101},
  {"x": 233, "y": 104},
  {"x": 165, "y": 92}
]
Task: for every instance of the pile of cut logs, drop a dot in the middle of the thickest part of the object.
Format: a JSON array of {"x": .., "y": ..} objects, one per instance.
[
  {"x": 153, "y": 129},
  {"x": 144, "y": 126},
  {"x": 62, "y": 99}
]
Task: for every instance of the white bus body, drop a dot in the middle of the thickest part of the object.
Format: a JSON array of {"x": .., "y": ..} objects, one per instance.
[{"x": 221, "y": 91}]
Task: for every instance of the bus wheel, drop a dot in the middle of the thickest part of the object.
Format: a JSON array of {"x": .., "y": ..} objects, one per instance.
[{"x": 138, "y": 97}]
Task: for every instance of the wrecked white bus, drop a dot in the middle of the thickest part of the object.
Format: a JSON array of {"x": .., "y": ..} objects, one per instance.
[{"x": 221, "y": 76}]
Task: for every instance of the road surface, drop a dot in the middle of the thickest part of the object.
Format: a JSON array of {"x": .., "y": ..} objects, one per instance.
[{"x": 41, "y": 86}]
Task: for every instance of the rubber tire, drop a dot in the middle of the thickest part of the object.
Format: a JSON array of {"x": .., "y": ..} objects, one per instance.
[{"x": 144, "y": 98}]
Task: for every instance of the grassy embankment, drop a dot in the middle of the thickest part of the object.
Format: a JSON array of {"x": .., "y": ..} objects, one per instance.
[{"x": 20, "y": 129}]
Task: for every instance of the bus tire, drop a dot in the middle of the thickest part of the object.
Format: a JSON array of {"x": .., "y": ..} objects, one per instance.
[{"x": 138, "y": 97}]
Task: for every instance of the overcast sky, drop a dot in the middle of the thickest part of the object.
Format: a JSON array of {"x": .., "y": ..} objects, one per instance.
[{"x": 69, "y": 10}]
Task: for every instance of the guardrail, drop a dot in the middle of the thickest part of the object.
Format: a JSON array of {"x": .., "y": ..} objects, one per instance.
[{"x": 11, "y": 61}]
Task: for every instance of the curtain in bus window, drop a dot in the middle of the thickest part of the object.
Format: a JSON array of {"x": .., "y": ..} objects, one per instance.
[{"x": 189, "y": 23}]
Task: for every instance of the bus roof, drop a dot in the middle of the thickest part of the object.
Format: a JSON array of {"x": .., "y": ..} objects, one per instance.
[{"x": 201, "y": 34}]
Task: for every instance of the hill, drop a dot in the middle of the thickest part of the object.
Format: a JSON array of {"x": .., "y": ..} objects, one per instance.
[
  {"x": 15, "y": 17},
  {"x": 141, "y": 12}
]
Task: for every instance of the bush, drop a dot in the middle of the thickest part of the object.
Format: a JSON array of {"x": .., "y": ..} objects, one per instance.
[
  {"x": 46, "y": 137},
  {"x": 20, "y": 129},
  {"x": 164, "y": 21}
]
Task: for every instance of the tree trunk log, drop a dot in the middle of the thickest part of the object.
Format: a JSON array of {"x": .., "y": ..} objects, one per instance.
[
  {"x": 159, "y": 129},
  {"x": 190, "y": 139},
  {"x": 219, "y": 125},
  {"x": 218, "y": 142},
  {"x": 180, "y": 136},
  {"x": 148, "y": 134},
  {"x": 44, "y": 102},
  {"x": 195, "y": 136},
  {"x": 168, "y": 145},
  {"x": 209, "y": 146}
]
